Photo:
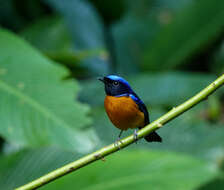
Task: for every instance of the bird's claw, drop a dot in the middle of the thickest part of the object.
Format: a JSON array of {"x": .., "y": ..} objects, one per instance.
[
  {"x": 117, "y": 143},
  {"x": 135, "y": 136}
]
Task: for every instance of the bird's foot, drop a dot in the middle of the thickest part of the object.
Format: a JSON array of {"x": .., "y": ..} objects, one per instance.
[
  {"x": 135, "y": 136},
  {"x": 118, "y": 142}
]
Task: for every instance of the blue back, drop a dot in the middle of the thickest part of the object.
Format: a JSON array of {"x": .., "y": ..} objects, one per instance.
[{"x": 141, "y": 107}]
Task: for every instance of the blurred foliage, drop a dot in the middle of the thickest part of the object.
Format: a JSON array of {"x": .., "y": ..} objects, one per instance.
[
  {"x": 31, "y": 113},
  {"x": 110, "y": 11},
  {"x": 144, "y": 168},
  {"x": 177, "y": 43},
  {"x": 51, "y": 36},
  {"x": 86, "y": 29},
  {"x": 31, "y": 164},
  {"x": 52, "y": 104}
]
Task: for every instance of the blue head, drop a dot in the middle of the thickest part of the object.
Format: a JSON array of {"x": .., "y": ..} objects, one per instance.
[{"x": 115, "y": 85}]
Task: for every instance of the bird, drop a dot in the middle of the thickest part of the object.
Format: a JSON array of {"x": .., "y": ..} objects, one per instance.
[{"x": 124, "y": 108}]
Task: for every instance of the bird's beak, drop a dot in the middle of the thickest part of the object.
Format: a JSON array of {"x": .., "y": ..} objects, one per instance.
[{"x": 101, "y": 79}]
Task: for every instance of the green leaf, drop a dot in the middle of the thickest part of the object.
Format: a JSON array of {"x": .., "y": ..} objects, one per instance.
[
  {"x": 86, "y": 29},
  {"x": 16, "y": 15},
  {"x": 110, "y": 11},
  {"x": 140, "y": 24},
  {"x": 191, "y": 30},
  {"x": 48, "y": 34},
  {"x": 80, "y": 16},
  {"x": 130, "y": 37},
  {"x": 169, "y": 88},
  {"x": 217, "y": 65},
  {"x": 124, "y": 170},
  {"x": 37, "y": 107},
  {"x": 216, "y": 184},
  {"x": 51, "y": 36},
  {"x": 192, "y": 134},
  {"x": 26, "y": 165}
]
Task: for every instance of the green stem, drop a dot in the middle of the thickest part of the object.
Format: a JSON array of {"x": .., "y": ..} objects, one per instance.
[{"x": 100, "y": 154}]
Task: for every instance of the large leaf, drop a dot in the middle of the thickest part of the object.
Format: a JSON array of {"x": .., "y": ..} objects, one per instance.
[
  {"x": 192, "y": 134},
  {"x": 24, "y": 166},
  {"x": 138, "y": 27},
  {"x": 85, "y": 27},
  {"x": 37, "y": 107},
  {"x": 51, "y": 36},
  {"x": 216, "y": 184},
  {"x": 15, "y": 15},
  {"x": 48, "y": 34},
  {"x": 131, "y": 34},
  {"x": 124, "y": 170},
  {"x": 191, "y": 30},
  {"x": 218, "y": 60}
]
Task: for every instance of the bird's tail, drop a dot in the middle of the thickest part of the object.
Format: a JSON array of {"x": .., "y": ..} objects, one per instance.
[{"x": 152, "y": 137}]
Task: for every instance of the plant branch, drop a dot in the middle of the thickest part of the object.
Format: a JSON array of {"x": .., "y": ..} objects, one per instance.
[{"x": 100, "y": 154}]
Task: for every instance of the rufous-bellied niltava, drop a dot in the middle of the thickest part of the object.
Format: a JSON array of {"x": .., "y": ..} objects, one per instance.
[{"x": 124, "y": 108}]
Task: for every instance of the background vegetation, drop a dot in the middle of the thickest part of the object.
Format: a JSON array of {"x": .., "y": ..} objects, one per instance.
[{"x": 51, "y": 105}]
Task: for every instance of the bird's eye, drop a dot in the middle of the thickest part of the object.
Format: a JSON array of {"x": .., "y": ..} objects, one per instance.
[{"x": 115, "y": 83}]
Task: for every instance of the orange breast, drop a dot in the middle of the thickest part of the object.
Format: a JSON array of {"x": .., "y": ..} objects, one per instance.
[{"x": 123, "y": 112}]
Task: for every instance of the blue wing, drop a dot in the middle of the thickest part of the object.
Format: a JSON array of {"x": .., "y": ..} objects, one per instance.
[
  {"x": 152, "y": 136},
  {"x": 141, "y": 106}
]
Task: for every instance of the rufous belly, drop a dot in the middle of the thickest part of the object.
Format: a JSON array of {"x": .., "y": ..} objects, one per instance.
[{"x": 123, "y": 112}]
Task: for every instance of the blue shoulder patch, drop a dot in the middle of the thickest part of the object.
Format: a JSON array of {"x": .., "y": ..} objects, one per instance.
[
  {"x": 136, "y": 99},
  {"x": 141, "y": 107},
  {"x": 122, "y": 95}
]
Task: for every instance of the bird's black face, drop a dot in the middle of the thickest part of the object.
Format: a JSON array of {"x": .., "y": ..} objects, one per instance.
[{"x": 115, "y": 87}]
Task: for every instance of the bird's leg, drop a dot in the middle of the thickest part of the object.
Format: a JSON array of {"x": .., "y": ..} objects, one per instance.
[
  {"x": 119, "y": 136},
  {"x": 118, "y": 140},
  {"x": 135, "y": 135}
]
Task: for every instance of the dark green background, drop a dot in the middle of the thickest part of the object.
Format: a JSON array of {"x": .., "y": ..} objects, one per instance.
[{"x": 51, "y": 103}]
